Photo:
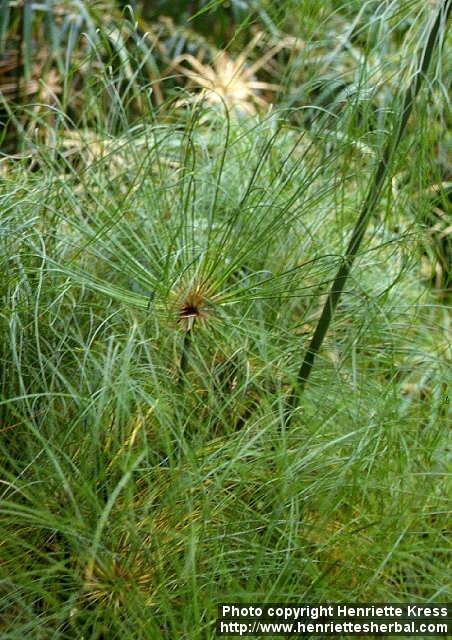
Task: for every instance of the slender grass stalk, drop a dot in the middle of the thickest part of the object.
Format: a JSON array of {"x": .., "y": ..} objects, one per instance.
[
  {"x": 184, "y": 357},
  {"x": 374, "y": 191}
]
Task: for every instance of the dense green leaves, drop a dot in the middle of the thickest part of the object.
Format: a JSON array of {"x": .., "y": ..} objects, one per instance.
[{"x": 165, "y": 249}]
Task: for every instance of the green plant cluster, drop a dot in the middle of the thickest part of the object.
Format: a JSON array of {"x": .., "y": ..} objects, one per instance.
[{"x": 167, "y": 241}]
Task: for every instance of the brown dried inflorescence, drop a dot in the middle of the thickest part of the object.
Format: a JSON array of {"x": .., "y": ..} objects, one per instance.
[{"x": 194, "y": 305}]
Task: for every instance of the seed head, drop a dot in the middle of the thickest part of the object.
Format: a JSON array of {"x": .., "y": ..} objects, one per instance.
[{"x": 194, "y": 305}]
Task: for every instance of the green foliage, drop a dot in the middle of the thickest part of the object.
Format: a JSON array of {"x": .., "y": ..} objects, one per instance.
[{"x": 164, "y": 262}]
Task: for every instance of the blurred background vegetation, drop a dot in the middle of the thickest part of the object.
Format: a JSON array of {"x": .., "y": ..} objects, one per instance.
[{"x": 102, "y": 66}]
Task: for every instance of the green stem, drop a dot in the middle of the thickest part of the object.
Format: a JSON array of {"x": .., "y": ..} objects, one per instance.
[
  {"x": 184, "y": 357},
  {"x": 368, "y": 206}
]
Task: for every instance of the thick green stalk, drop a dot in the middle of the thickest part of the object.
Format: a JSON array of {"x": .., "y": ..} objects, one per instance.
[{"x": 369, "y": 204}]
